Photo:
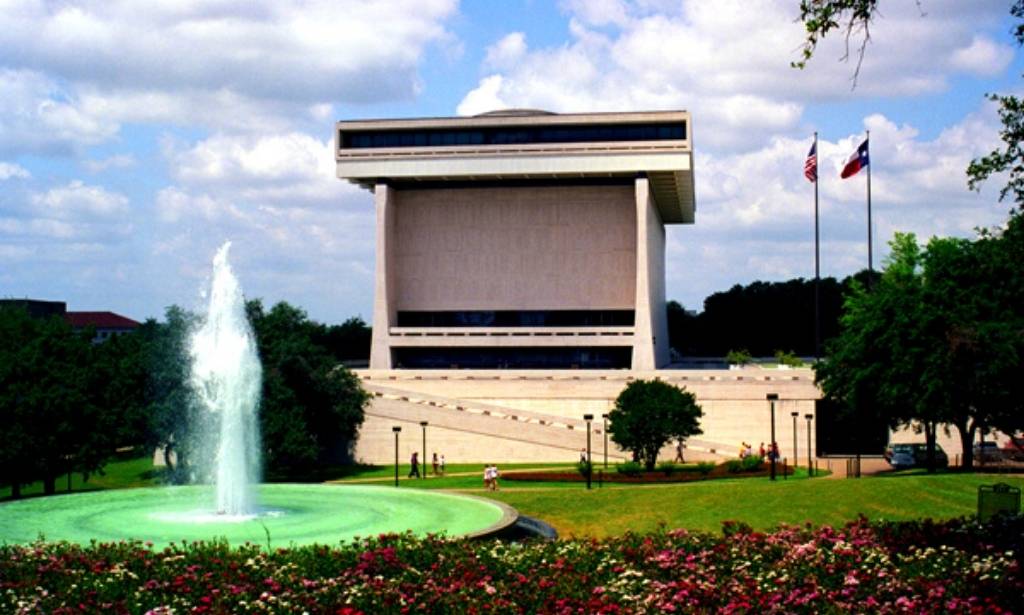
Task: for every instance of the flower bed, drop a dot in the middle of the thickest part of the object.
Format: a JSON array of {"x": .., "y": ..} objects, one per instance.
[{"x": 956, "y": 566}]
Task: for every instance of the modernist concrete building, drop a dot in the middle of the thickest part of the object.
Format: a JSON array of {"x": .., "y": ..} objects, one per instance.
[
  {"x": 522, "y": 239},
  {"x": 535, "y": 243}
]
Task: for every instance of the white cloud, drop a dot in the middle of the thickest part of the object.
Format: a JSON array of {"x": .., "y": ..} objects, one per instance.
[
  {"x": 599, "y": 12},
  {"x": 312, "y": 51},
  {"x": 37, "y": 115},
  {"x": 301, "y": 234},
  {"x": 506, "y": 52},
  {"x": 72, "y": 72},
  {"x": 755, "y": 208},
  {"x": 8, "y": 170},
  {"x": 728, "y": 62},
  {"x": 119, "y": 161},
  {"x": 77, "y": 200},
  {"x": 982, "y": 57}
]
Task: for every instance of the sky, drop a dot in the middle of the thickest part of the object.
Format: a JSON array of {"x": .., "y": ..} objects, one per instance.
[{"x": 136, "y": 138}]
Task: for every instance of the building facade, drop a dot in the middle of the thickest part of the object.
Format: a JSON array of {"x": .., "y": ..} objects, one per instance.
[{"x": 522, "y": 240}]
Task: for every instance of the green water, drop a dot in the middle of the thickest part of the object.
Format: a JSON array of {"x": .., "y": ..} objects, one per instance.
[{"x": 292, "y": 514}]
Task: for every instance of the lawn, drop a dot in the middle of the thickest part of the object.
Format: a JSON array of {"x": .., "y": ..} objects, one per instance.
[
  {"x": 757, "y": 502},
  {"x": 118, "y": 474},
  {"x": 615, "y": 509}
]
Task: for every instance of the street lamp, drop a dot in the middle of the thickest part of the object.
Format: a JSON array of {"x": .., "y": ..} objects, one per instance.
[
  {"x": 604, "y": 430},
  {"x": 423, "y": 457},
  {"x": 396, "y": 429},
  {"x": 810, "y": 470},
  {"x": 588, "y": 418},
  {"x": 772, "y": 398},
  {"x": 796, "y": 457}
]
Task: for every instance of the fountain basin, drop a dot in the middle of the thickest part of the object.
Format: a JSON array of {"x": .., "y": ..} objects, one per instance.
[{"x": 291, "y": 514}]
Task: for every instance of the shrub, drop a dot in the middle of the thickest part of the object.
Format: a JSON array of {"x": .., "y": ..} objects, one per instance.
[
  {"x": 752, "y": 463},
  {"x": 734, "y": 466},
  {"x": 788, "y": 358},
  {"x": 738, "y": 357},
  {"x": 629, "y": 468},
  {"x": 668, "y": 468},
  {"x": 584, "y": 468},
  {"x": 705, "y": 467}
]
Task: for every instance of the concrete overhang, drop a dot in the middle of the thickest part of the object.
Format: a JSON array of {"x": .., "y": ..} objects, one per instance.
[{"x": 667, "y": 163}]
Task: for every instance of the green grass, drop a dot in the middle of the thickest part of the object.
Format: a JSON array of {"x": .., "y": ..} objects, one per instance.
[
  {"x": 118, "y": 474},
  {"x": 757, "y": 502},
  {"x": 701, "y": 505},
  {"x": 367, "y": 473}
]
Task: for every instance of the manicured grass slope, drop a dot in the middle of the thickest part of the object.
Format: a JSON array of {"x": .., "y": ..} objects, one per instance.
[
  {"x": 758, "y": 502},
  {"x": 119, "y": 474}
]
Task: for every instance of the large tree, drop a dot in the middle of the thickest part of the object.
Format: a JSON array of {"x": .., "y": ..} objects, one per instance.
[
  {"x": 49, "y": 401},
  {"x": 939, "y": 340},
  {"x": 649, "y": 414},
  {"x": 312, "y": 407}
]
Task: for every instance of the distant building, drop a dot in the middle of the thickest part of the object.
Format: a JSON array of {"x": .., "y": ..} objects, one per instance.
[
  {"x": 106, "y": 324},
  {"x": 35, "y": 307},
  {"x": 522, "y": 239}
]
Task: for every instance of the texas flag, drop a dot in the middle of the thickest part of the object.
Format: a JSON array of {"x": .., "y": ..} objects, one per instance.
[{"x": 857, "y": 161}]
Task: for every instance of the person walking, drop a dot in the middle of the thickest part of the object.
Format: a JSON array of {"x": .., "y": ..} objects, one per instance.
[
  {"x": 415, "y": 462},
  {"x": 487, "y": 477},
  {"x": 679, "y": 452},
  {"x": 442, "y": 464},
  {"x": 435, "y": 463},
  {"x": 494, "y": 477}
]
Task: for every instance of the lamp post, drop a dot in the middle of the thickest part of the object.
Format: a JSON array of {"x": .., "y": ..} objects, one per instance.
[
  {"x": 396, "y": 429},
  {"x": 772, "y": 398},
  {"x": 810, "y": 470},
  {"x": 588, "y": 418},
  {"x": 423, "y": 457},
  {"x": 604, "y": 430},
  {"x": 796, "y": 455}
]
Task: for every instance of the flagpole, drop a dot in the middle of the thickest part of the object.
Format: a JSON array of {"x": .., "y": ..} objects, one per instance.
[
  {"x": 871, "y": 269},
  {"x": 817, "y": 261}
]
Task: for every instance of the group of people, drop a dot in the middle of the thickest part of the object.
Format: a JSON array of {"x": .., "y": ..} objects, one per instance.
[
  {"x": 491, "y": 477},
  {"x": 414, "y": 462},
  {"x": 769, "y": 454}
]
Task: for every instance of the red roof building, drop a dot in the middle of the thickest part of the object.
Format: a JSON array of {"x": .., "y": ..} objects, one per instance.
[{"x": 107, "y": 324}]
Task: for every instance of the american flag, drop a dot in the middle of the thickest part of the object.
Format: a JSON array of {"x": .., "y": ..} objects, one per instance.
[{"x": 811, "y": 164}]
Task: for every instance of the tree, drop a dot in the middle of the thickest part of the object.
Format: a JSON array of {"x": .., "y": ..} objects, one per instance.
[
  {"x": 49, "y": 400},
  {"x": 650, "y": 413},
  {"x": 873, "y": 368},
  {"x": 171, "y": 408},
  {"x": 17, "y": 330},
  {"x": 312, "y": 408},
  {"x": 760, "y": 317},
  {"x": 937, "y": 340},
  {"x": 820, "y": 17}
]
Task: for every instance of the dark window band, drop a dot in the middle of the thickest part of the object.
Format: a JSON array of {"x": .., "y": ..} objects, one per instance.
[
  {"x": 517, "y": 318},
  {"x": 361, "y": 139},
  {"x": 513, "y": 358}
]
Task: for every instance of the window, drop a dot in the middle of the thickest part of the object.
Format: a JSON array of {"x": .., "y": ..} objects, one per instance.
[
  {"x": 511, "y": 136},
  {"x": 517, "y": 318}
]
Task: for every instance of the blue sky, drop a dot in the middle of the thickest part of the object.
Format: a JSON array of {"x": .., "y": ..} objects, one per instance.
[{"x": 134, "y": 142}]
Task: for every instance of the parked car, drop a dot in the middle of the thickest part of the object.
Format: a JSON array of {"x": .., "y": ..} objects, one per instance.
[
  {"x": 1014, "y": 449},
  {"x": 987, "y": 451},
  {"x": 914, "y": 455}
]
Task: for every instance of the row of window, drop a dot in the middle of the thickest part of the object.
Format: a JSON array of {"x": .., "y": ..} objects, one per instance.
[
  {"x": 512, "y": 136},
  {"x": 517, "y": 318},
  {"x": 513, "y": 358}
]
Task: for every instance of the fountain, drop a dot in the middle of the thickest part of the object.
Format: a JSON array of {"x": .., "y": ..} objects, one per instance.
[{"x": 226, "y": 377}]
